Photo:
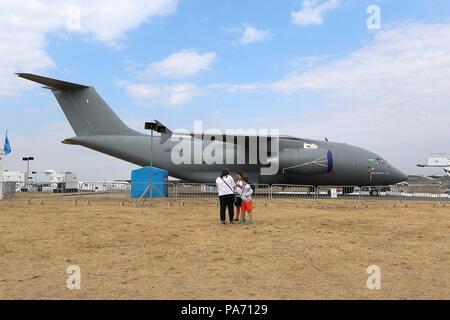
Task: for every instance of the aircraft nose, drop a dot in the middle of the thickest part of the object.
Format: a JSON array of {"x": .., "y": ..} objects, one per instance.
[{"x": 398, "y": 176}]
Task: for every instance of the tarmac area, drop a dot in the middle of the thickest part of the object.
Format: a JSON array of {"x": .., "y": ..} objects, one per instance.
[{"x": 182, "y": 252}]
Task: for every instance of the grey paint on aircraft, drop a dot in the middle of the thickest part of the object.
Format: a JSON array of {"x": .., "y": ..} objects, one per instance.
[{"x": 98, "y": 128}]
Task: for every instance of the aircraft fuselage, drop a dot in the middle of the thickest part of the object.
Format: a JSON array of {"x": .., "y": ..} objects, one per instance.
[{"x": 351, "y": 165}]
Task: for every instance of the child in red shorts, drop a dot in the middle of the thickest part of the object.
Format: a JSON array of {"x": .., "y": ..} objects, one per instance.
[{"x": 246, "y": 197}]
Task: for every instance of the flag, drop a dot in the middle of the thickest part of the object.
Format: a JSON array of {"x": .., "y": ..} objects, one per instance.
[{"x": 7, "y": 146}]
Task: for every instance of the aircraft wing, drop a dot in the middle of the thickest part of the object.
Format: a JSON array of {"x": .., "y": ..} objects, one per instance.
[
  {"x": 230, "y": 137},
  {"x": 431, "y": 166}
]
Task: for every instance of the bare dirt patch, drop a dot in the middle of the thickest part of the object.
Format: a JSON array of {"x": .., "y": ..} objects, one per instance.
[{"x": 183, "y": 253}]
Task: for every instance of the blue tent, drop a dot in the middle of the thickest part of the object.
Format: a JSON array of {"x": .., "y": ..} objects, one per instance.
[{"x": 140, "y": 180}]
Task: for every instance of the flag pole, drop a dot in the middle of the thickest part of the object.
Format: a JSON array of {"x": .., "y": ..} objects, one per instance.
[{"x": 2, "y": 153}]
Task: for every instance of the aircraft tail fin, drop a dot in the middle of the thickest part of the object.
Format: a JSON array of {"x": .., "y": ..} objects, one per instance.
[{"x": 86, "y": 111}]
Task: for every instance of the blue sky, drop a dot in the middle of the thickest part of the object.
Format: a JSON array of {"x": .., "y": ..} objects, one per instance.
[{"x": 309, "y": 68}]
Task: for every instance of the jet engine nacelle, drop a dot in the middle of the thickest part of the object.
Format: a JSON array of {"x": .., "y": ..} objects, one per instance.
[{"x": 306, "y": 161}]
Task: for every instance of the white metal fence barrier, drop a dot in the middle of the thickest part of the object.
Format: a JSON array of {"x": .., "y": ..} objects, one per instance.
[
  {"x": 293, "y": 194},
  {"x": 9, "y": 190},
  {"x": 205, "y": 193},
  {"x": 445, "y": 190},
  {"x": 422, "y": 194},
  {"x": 338, "y": 196},
  {"x": 74, "y": 192},
  {"x": 54, "y": 191},
  {"x": 104, "y": 192},
  {"x": 380, "y": 196},
  {"x": 40, "y": 191},
  {"x": 261, "y": 194},
  {"x": 157, "y": 193}
]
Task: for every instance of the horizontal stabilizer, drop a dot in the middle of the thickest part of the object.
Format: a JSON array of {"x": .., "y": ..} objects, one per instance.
[
  {"x": 51, "y": 83},
  {"x": 166, "y": 133}
]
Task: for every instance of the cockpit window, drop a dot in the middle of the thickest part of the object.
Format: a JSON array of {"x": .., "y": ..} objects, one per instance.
[{"x": 381, "y": 161}]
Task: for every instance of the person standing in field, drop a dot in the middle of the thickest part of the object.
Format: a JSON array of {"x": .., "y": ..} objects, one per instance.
[
  {"x": 239, "y": 188},
  {"x": 246, "y": 197},
  {"x": 226, "y": 186}
]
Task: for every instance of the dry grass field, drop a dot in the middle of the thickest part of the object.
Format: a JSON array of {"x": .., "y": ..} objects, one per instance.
[{"x": 183, "y": 253}]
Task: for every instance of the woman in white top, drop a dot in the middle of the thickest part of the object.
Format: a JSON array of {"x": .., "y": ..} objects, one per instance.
[
  {"x": 225, "y": 186},
  {"x": 239, "y": 188}
]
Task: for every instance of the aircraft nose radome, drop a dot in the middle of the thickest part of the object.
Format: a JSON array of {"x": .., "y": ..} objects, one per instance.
[
  {"x": 399, "y": 176},
  {"x": 404, "y": 177}
]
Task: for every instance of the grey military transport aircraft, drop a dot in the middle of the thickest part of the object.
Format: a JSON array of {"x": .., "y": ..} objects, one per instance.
[{"x": 299, "y": 161}]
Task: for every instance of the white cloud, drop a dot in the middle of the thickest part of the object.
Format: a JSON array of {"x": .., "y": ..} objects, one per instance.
[
  {"x": 304, "y": 63},
  {"x": 173, "y": 95},
  {"x": 391, "y": 95},
  {"x": 232, "y": 88},
  {"x": 109, "y": 20},
  {"x": 182, "y": 93},
  {"x": 312, "y": 12},
  {"x": 405, "y": 65},
  {"x": 144, "y": 91},
  {"x": 185, "y": 63},
  {"x": 252, "y": 34},
  {"x": 24, "y": 26}
]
